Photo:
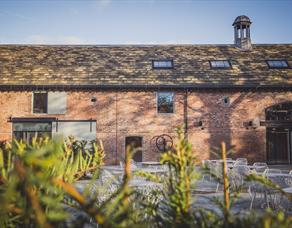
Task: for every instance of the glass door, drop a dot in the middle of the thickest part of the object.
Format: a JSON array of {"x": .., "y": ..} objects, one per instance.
[{"x": 26, "y": 131}]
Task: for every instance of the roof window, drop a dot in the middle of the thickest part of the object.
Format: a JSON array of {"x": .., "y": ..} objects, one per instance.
[
  {"x": 278, "y": 64},
  {"x": 220, "y": 64},
  {"x": 162, "y": 64}
]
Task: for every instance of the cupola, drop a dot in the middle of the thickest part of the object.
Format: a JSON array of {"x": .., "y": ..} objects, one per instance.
[{"x": 241, "y": 26}]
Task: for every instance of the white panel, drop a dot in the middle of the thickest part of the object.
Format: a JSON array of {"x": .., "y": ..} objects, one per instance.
[
  {"x": 57, "y": 102},
  {"x": 80, "y": 130}
]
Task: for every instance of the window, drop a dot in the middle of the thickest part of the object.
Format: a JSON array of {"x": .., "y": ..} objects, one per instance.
[
  {"x": 79, "y": 129},
  {"x": 226, "y": 101},
  {"x": 40, "y": 102},
  {"x": 162, "y": 64},
  {"x": 220, "y": 64},
  {"x": 26, "y": 131},
  {"x": 165, "y": 102},
  {"x": 51, "y": 103},
  {"x": 57, "y": 103},
  {"x": 277, "y": 64}
]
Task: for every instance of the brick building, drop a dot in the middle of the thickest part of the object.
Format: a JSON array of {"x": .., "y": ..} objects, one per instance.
[{"x": 239, "y": 93}]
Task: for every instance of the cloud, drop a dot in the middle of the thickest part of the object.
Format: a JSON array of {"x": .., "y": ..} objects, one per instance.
[{"x": 43, "y": 39}]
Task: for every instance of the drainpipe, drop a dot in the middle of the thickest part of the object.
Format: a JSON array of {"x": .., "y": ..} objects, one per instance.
[
  {"x": 186, "y": 114},
  {"x": 116, "y": 159}
]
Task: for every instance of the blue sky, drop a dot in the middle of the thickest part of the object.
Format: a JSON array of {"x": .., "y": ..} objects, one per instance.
[{"x": 141, "y": 21}]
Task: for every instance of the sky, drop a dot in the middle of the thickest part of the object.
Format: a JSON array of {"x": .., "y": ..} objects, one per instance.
[{"x": 141, "y": 21}]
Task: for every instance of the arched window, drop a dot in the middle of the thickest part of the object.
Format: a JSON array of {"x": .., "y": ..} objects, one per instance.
[{"x": 279, "y": 112}]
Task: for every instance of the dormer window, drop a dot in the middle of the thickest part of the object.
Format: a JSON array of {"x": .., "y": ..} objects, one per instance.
[
  {"x": 277, "y": 64},
  {"x": 162, "y": 64},
  {"x": 220, "y": 64}
]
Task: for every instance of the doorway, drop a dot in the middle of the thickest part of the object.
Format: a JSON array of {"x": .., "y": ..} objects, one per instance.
[
  {"x": 279, "y": 133},
  {"x": 134, "y": 143}
]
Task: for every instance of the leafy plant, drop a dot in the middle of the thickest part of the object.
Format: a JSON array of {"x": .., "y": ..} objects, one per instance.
[
  {"x": 27, "y": 195},
  {"x": 37, "y": 187},
  {"x": 175, "y": 209},
  {"x": 78, "y": 159}
]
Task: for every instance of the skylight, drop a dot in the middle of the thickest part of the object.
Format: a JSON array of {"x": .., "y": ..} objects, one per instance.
[
  {"x": 277, "y": 64},
  {"x": 221, "y": 64},
  {"x": 162, "y": 64}
]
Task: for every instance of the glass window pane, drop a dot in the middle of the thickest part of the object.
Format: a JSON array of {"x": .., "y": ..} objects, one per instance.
[
  {"x": 26, "y": 131},
  {"x": 165, "y": 102},
  {"x": 220, "y": 64},
  {"x": 162, "y": 64},
  {"x": 57, "y": 103},
  {"x": 85, "y": 130},
  {"x": 40, "y": 102},
  {"x": 277, "y": 64},
  {"x": 32, "y": 126}
]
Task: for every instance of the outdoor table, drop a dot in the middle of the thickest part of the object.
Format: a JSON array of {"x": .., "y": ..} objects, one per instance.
[
  {"x": 150, "y": 163},
  {"x": 150, "y": 170},
  {"x": 284, "y": 180},
  {"x": 143, "y": 183},
  {"x": 279, "y": 175},
  {"x": 112, "y": 168},
  {"x": 288, "y": 190}
]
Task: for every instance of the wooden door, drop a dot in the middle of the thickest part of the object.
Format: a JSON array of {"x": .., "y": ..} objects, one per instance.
[
  {"x": 278, "y": 146},
  {"x": 135, "y": 144}
]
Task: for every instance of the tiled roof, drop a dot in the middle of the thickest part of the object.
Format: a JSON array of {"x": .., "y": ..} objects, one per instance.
[{"x": 130, "y": 65}]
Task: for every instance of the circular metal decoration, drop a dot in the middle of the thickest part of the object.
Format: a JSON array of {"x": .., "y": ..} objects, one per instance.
[
  {"x": 164, "y": 143},
  {"x": 153, "y": 146}
]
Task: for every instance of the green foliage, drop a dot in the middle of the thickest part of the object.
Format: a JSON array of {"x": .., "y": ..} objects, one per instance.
[
  {"x": 5, "y": 161},
  {"x": 116, "y": 210},
  {"x": 78, "y": 159},
  {"x": 27, "y": 195},
  {"x": 28, "y": 190},
  {"x": 36, "y": 184},
  {"x": 175, "y": 210}
]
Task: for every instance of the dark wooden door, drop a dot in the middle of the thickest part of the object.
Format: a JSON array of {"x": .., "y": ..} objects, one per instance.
[
  {"x": 134, "y": 143},
  {"x": 278, "y": 145}
]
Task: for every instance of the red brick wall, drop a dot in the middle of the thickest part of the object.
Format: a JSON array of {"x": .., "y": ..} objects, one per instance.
[{"x": 134, "y": 114}]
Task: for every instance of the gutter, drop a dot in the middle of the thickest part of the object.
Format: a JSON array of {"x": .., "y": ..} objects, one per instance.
[{"x": 195, "y": 87}]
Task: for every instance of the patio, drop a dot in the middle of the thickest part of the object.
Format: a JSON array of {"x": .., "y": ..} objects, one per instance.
[{"x": 253, "y": 196}]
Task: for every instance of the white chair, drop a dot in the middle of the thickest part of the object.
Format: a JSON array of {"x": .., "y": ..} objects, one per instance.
[
  {"x": 216, "y": 171},
  {"x": 121, "y": 164},
  {"x": 206, "y": 164},
  {"x": 238, "y": 175},
  {"x": 260, "y": 167},
  {"x": 257, "y": 189},
  {"x": 133, "y": 166},
  {"x": 240, "y": 161},
  {"x": 213, "y": 172},
  {"x": 263, "y": 191},
  {"x": 272, "y": 171},
  {"x": 282, "y": 181}
]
